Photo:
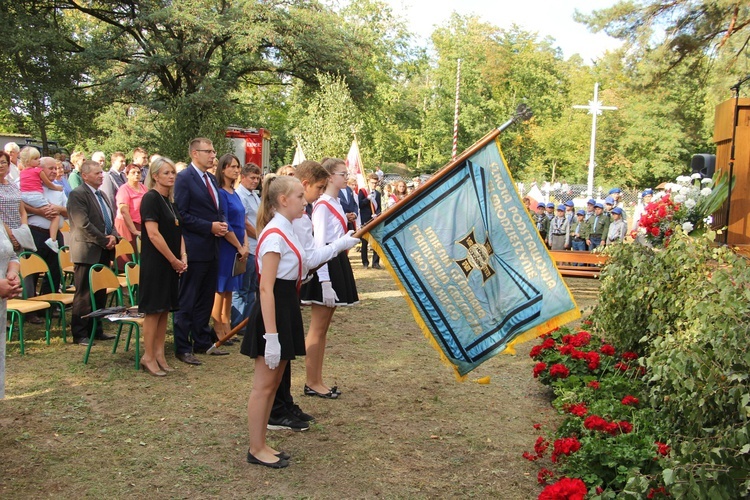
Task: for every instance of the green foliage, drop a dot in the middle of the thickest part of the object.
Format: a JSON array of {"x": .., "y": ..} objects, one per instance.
[
  {"x": 690, "y": 307},
  {"x": 325, "y": 122}
]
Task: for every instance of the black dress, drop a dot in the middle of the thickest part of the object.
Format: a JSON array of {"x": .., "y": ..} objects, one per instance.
[{"x": 158, "y": 290}]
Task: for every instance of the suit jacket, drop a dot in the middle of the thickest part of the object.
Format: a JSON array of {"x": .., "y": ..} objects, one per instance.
[
  {"x": 350, "y": 204},
  {"x": 198, "y": 214},
  {"x": 110, "y": 185},
  {"x": 365, "y": 209},
  {"x": 87, "y": 237}
]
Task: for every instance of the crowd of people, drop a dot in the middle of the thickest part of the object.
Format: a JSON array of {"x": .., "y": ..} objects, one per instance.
[
  {"x": 562, "y": 227},
  {"x": 204, "y": 229}
]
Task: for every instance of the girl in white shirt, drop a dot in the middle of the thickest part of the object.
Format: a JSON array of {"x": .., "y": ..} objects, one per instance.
[
  {"x": 333, "y": 285},
  {"x": 275, "y": 331}
]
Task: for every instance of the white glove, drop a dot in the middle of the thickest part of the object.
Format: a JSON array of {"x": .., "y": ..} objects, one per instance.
[
  {"x": 329, "y": 294},
  {"x": 372, "y": 195},
  {"x": 345, "y": 242},
  {"x": 272, "y": 355}
]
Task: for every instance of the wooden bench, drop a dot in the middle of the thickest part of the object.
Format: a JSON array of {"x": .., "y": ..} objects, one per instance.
[{"x": 589, "y": 264}]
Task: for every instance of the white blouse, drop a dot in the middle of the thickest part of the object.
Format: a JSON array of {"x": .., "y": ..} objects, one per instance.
[
  {"x": 274, "y": 242},
  {"x": 327, "y": 227}
]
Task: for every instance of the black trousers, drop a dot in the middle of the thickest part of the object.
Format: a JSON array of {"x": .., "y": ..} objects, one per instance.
[
  {"x": 81, "y": 327},
  {"x": 363, "y": 253},
  {"x": 197, "y": 289},
  {"x": 40, "y": 235},
  {"x": 283, "y": 398}
]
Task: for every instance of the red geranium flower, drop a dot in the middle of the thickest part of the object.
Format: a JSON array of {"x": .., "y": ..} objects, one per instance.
[
  {"x": 592, "y": 360},
  {"x": 581, "y": 339},
  {"x": 537, "y": 426},
  {"x": 539, "y": 368},
  {"x": 630, "y": 400},
  {"x": 549, "y": 343},
  {"x": 654, "y": 231},
  {"x": 593, "y": 384},
  {"x": 565, "y": 446},
  {"x": 564, "y": 489},
  {"x": 528, "y": 456},
  {"x": 595, "y": 423},
  {"x": 576, "y": 354},
  {"x": 662, "y": 448},
  {"x": 657, "y": 491},
  {"x": 540, "y": 446},
  {"x": 578, "y": 409},
  {"x": 566, "y": 349},
  {"x": 559, "y": 370},
  {"x": 535, "y": 351},
  {"x": 607, "y": 349},
  {"x": 544, "y": 475},
  {"x": 567, "y": 339},
  {"x": 625, "y": 427},
  {"x": 623, "y": 367},
  {"x": 629, "y": 356}
]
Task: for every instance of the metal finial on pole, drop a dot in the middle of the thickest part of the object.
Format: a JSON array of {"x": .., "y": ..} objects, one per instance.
[
  {"x": 455, "y": 115},
  {"x": 594, "y": 108}
]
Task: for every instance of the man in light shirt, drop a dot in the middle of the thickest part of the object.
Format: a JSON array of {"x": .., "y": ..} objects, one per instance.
[{"x": 244, "y": 298}]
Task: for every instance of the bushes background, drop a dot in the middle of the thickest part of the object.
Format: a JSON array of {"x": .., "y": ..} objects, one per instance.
[{"x": 686, "y": 309}]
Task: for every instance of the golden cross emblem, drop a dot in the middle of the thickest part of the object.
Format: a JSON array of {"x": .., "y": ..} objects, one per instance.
[{"x": 477, "y": 256}]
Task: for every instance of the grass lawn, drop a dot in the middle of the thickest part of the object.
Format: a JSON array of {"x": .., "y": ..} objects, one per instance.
[{"x": 403, "y": 427}]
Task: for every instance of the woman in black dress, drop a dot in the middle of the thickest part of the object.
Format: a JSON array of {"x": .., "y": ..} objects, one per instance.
[{"x": 163, "y": 260}]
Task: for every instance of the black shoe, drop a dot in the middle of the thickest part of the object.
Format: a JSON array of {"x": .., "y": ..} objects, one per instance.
[
  {"x": 283, "y": 455},
  {"x": 286, "y": 423},
  {"x": 295, "y": 411},
  {"x": 325, "y": 395},
  {"x": 377, "y": 266},
  {"x": 104, "y": 336},
  {"x": 82, "y": 341},
  {"x": 273, "y": 465}
]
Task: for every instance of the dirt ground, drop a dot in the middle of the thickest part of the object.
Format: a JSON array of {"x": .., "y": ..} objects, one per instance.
[{"x": 403, "y": 428}]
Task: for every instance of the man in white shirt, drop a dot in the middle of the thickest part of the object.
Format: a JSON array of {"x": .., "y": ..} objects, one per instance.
[
  {"x": 40, "y": 219},
  {"x": 244, "y": 298}
]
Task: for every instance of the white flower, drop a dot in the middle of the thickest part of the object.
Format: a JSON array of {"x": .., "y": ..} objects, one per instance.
[
  {"x": 679, "y": 198},
  {"x": 658, "y": 195},
  {"x": 707, "y": 180},
  {"x": 684, "y": 191},
  {"x": 696, "y": 176},
  {"x": 683, "y": 179},
  {"x": 687, "y": 227},
  {"x": 690, "y": 203},
  {"x": 705, "y": 191},
  {"x": 708, "y": 220}
]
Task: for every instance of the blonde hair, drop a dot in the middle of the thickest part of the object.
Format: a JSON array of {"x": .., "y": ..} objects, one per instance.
[
  {"x": 27, "y": 154},
  {"x": 274, "y": 186},
  {"x": 154, "y": 169}
]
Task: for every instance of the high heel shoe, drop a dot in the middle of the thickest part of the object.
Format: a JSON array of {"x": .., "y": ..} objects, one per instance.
[
  {"x": 165, "y": 367},
  {"x": 158, "y": 373}
]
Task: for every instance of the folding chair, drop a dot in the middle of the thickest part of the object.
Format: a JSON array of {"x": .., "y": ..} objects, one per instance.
[
  {"x": 18, "y": 309},
  {"x": 103, "y": 278},
  {"x": 66, "y": 270},
  {"x": 122, "y": 249},
  {"x": 33, "y": 265}
]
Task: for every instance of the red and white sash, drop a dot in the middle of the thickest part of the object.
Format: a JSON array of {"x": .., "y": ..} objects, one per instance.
[{"x": 290, "y": 244}]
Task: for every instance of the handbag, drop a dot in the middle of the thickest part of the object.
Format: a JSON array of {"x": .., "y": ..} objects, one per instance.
[
  {"x": 239, "y": 266},
  {"x": 23, "y": 236}
]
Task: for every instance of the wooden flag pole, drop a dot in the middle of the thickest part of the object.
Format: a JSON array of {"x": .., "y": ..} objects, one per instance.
[{"x": 522, "y": 113}]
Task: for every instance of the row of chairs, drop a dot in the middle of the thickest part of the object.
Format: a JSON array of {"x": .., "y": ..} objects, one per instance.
[{"x": 100, "y": 277}]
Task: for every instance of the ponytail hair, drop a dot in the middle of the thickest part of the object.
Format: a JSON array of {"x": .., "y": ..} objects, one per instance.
[{"x": 273, "y": 186}]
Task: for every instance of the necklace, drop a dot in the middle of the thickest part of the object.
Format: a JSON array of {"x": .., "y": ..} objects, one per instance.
[{"x": 171, "y": 210}]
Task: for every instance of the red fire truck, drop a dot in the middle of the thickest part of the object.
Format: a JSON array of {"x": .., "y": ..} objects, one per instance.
[{"x": 251, "y": 145}]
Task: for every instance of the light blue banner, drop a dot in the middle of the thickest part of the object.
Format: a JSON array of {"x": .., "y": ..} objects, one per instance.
[{"x": 471, "y": 263}]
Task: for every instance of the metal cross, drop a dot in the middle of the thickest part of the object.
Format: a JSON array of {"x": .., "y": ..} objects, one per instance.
[{"x": 594, "y": 108}]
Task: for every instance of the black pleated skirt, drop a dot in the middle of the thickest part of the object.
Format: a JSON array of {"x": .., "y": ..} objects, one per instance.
[
  {"x": 342, "y": 280},
  {"x": 288, "y": 323}
]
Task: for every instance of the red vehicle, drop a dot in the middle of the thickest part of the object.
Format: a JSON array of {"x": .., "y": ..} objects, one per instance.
[{"x": 251, "y": 145}]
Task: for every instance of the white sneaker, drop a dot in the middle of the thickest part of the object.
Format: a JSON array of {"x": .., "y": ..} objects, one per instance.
[{"x": 53, "y": 245}]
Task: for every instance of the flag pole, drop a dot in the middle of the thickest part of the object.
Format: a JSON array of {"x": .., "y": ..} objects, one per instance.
[
  {"x": 455, "y": 114},
  {"x": 522, "y": 113}
]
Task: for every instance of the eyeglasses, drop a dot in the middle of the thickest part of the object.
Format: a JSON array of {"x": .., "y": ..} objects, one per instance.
[
  {"x": 345, "y": 175},
  {"x": 208, "y": 151}
]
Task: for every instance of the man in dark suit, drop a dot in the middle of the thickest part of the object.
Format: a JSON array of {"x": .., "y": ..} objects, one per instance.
[
  {"x": 369, "y": 207},
  {"x": 350, "y": 204},
  {"x": 197, "y": 196},
  {"x": 92, "y": 241},
  {"x": 114, "y": 177}
]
